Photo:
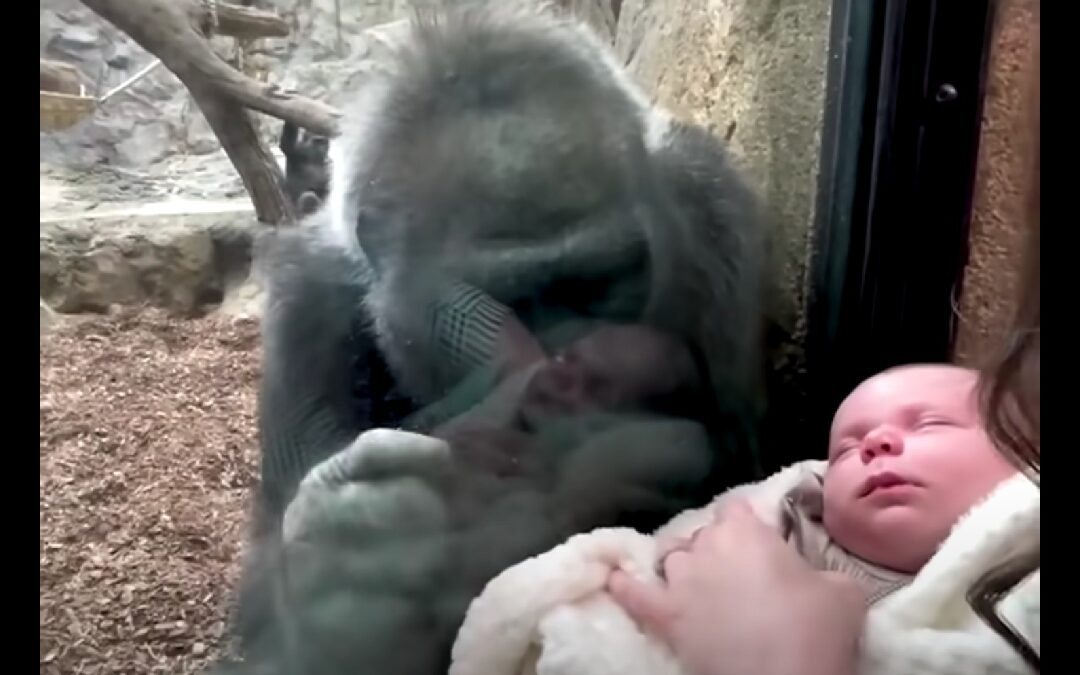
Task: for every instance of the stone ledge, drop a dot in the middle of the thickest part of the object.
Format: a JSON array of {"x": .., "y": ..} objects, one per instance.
[{"x": 182, "y": 263}]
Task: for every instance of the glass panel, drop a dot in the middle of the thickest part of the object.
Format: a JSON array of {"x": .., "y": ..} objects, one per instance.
[{"x": 560, "y": 269}]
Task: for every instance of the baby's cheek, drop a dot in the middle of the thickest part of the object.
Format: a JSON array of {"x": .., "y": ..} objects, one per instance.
[
  {"x": 838, "y": 498},
  {"x": 836, "y": 481}
]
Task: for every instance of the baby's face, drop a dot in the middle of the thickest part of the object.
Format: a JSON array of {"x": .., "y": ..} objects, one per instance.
[
  {"x": 908, "y": 456},
  {"x": 614, "y": 368}
]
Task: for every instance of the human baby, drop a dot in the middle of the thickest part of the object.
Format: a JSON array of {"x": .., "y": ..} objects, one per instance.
[{"x": 913, "y": 501}]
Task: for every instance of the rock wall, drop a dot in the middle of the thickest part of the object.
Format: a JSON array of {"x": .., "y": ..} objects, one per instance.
[
  {"x": 137, "y": 128},
  {"x": 988, "y": 300},
  {"x": 754, "y": 72},
  {"x": 184, "y": 264}
]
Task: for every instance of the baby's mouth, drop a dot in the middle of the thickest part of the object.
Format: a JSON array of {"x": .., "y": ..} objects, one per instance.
[{"x": 882, "y": 481}]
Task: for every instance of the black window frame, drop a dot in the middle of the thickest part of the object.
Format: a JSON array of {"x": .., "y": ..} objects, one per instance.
[{"x": 899, "y": 154}]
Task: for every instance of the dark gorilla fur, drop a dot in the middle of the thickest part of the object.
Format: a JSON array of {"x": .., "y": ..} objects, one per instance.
[
  {"x": 307, "y": 172},
  {"x": 504, "y": 150}
]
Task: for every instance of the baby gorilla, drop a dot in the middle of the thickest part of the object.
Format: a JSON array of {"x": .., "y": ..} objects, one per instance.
[
  {"x": 307, "y": 170},
  {"x": 616, "y": 371},
  {"x": 617, "y": 368}
]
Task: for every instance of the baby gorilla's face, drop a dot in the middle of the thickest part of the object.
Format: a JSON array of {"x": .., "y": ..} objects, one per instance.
[{"x": 615, "y": 368}]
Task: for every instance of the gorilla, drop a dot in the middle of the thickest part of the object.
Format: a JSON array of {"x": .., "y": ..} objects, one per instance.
[
  {"x": 307, "y": 171},
  {"x": 500, "y": 192}
]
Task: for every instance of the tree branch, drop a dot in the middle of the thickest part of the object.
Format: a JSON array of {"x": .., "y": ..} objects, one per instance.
[
  {"x": 172, "y": 31},
  {"x": 257, "y": 167}
]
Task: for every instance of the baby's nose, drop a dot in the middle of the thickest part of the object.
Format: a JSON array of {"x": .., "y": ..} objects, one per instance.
[{"x": 881, "y": 441}]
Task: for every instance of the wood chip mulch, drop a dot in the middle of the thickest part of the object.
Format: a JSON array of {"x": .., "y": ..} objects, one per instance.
[{"x": 147, "y": 457}]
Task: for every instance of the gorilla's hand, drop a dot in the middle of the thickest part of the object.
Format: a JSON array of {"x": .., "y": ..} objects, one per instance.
[
  {"x": 386, "y": 481},
  {"x": 498, "y": 453},
  {"x": 358, "y": 572}
]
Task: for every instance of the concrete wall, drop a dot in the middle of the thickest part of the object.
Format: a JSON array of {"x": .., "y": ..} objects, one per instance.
[
  {"x": 987, "y": 302},
  {"x": 753, "y": 70}
]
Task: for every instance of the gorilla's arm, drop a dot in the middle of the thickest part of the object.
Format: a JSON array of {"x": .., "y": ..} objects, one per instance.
[
  {"x": 314, "y": 346},
  {"x": 289, "y": 136}
]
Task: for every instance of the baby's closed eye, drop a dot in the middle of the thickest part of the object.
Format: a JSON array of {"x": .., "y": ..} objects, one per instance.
[
  {"x": 931, "y": 421},
  {"x": 842, "y": 449}
]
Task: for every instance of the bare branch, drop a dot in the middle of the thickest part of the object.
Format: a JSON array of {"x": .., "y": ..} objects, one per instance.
[
  {"x": 257, "y": 167},
  {"x": 171, "y": 30}
]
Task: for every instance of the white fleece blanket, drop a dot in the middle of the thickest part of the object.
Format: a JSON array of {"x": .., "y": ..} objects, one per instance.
[{"x": 550, "y": 615}]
